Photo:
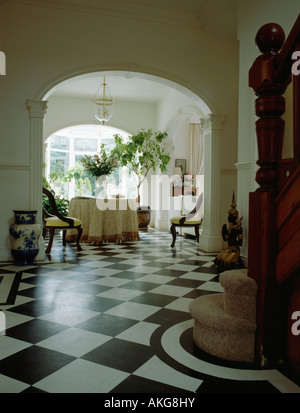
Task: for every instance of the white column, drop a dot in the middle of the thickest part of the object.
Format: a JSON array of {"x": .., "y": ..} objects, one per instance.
[
  {"x": 37, "y": 110},
  {"x": 211, "y": 239}
]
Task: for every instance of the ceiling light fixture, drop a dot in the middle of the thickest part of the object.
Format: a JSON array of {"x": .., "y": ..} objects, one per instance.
[{"x": 103, "y": 104}]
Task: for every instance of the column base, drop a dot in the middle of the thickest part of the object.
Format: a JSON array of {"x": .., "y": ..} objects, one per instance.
[{"x": 210, "y": 243}]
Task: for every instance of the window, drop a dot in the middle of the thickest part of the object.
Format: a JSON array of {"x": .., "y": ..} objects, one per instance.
[
  {"x": 59, "y": 142},
  {"x": 65, "y": 172},
  {"x": 85, "y": 145}
]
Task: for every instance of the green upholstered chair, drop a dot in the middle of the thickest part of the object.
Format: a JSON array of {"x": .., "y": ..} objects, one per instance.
[
  {"x": 192, "y": 219},
  {"x": 58, "y": 221}
]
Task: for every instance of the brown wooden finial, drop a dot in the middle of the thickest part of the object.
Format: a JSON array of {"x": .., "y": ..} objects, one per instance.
[{"x": 270, "y": 38}]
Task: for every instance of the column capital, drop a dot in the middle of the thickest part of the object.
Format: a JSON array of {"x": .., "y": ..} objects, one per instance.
[
  {"x": 212, "y": 121},
  {"x": 36, "y": 108}
]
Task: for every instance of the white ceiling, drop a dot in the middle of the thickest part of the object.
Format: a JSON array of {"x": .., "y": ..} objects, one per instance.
[{"x": 129, "y": 87}]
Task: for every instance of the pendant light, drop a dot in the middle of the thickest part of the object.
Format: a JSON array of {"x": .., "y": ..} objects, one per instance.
[{"x": 103, "y": 104}]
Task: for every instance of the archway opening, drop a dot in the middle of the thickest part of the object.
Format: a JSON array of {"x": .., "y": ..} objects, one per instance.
[
  {"x": 156, "y": 115},
  {"x": 142, "y": 101}
]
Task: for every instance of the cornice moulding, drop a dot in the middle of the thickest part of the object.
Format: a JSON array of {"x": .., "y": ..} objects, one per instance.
[{"x": 117, "y": 9}]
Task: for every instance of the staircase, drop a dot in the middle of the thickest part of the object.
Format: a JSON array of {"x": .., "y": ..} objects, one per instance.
[{"x": 274, "y": 208}]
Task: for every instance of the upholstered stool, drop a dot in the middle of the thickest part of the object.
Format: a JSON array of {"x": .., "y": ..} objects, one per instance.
[{"x": 225, "y": 323}]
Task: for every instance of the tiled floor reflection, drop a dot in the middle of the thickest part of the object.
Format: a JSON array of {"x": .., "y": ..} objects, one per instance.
[{"x": 115, "y": 319}]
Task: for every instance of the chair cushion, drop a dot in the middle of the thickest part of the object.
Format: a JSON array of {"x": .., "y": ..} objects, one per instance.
[
  {"x": 192, "y": 221},
  {"x": 56, "y": 222}
]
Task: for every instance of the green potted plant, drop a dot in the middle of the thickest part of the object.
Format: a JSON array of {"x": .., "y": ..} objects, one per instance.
[{"x": 141, "y": 153}]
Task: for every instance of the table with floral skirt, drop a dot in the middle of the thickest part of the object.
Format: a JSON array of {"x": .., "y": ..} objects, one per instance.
[{"x": 104, "y": 220}]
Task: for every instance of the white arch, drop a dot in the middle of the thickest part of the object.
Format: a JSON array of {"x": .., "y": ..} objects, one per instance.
[{"x": 66, "y": 79}]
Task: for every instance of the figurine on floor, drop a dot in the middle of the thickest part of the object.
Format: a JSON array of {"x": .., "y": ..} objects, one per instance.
[{"x": 233, "y": 235}]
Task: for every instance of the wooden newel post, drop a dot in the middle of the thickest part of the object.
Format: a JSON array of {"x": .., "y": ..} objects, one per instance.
[{"x": 270, "y": 106}]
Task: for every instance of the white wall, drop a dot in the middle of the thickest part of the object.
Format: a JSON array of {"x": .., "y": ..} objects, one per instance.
[
  {"x": 67, "y": 111},
  {"x": 173, "y": 114}
]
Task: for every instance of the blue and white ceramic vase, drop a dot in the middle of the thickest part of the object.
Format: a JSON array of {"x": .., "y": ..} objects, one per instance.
[{"x": 24, "y": 234}]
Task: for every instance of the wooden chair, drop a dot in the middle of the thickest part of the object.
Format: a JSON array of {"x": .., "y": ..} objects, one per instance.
[
  {"x": 58, "y": 221},
  {"x": 192, "y": 219}
]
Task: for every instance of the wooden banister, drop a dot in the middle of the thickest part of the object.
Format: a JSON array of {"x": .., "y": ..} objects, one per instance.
[
  {"x": 296, "y": 113},
  {"x": 284, "y": 61},
  {"x": 274, "y": 208},
  {"x": 288, "y": 234}
]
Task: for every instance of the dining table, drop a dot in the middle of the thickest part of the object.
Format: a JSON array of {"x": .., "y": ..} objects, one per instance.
[{"x": 104, "y": 220}]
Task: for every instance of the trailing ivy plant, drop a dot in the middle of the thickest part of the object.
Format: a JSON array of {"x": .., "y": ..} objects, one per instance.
[{"x": 141, "y": 153}]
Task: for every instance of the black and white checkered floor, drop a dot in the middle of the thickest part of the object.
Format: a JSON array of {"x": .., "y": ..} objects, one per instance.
[{"x": 115, "y": 319}]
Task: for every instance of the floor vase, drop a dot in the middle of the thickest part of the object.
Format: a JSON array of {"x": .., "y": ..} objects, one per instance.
[{"x": 24, "y": 234}]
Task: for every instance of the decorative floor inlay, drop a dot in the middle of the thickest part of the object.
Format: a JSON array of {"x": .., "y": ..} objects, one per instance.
[
  {"x": 205, "y": 365},
  {"x": 9, "y": 283}
]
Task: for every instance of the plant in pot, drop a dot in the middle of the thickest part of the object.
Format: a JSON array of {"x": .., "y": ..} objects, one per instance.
[
  {"x": 141, "y": 153},
  {"x": 100, "y": 165}
]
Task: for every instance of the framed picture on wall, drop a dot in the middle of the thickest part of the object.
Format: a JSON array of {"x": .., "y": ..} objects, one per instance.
[{"x": 181, "y": 163}]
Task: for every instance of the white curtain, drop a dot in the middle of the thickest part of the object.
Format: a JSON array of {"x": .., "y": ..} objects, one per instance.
[
  {"x": 195, "y": 160},
  {"x": 195, "y": 149}
]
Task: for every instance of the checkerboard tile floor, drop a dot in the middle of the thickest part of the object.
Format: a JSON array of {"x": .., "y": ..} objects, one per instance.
[{"x": 115, "y": 319}]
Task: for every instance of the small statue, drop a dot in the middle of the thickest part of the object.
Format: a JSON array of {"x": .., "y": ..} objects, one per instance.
[{"x": 233, "y": 234}]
